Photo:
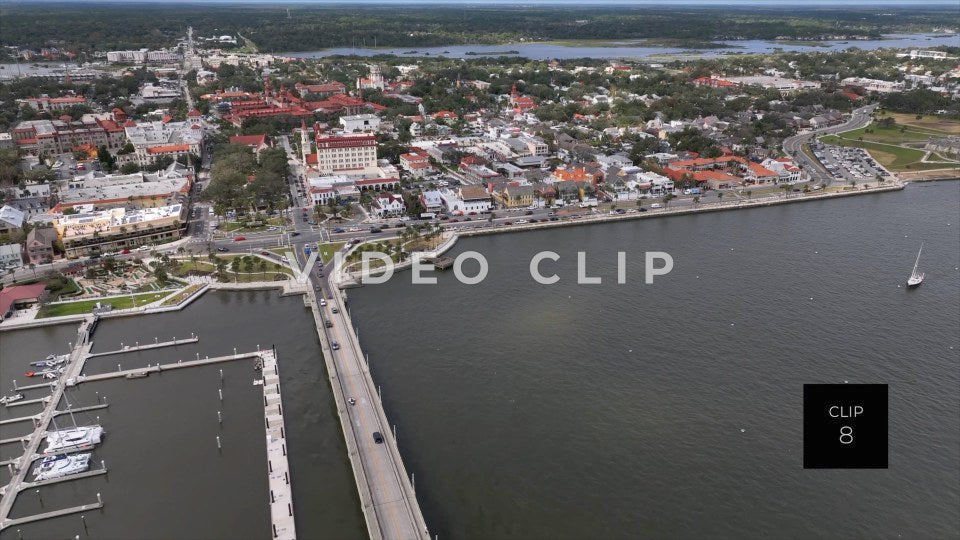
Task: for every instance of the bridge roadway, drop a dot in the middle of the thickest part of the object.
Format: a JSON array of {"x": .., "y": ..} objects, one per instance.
[{"x": 387, "y": 498}]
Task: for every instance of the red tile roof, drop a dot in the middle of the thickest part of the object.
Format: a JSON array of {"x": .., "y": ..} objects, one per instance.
[
  {"x": 169, "y": 148},
  {"x": 16, "y": 293}
]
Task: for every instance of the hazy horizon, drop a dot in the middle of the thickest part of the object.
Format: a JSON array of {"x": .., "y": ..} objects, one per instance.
[{"x": 865, "y": 4}]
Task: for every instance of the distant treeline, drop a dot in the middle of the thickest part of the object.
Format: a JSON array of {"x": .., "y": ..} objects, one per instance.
[{"x": 92, "y": 26}]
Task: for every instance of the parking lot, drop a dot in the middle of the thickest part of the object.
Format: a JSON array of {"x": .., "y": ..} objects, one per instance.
[{"x": 848, "y": 164}]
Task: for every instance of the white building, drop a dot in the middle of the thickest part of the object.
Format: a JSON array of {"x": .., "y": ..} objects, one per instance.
[
  {"x": 338, "y": 153},
  {"x": 142, "y": 56},
  {"x": 360, "y": 122},
  {"x": 787, "y": 171},
  {"x": 873, "y": 85},
  {"x": 388, "y": 205},
  {"x": 10, "y": 256},
  {"x": 466, "y": 200},
  {"x": 154, "y": 139}
]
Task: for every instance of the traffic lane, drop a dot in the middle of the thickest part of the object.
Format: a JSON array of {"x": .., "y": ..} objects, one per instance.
[{"x": 378, "y": 463}]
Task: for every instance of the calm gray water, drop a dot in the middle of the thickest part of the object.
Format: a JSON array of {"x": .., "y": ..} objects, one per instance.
[
  {"x": 167, "y": 479},
  {"x": 545, "y": 51},
  {"x": 615, "y": 411}
]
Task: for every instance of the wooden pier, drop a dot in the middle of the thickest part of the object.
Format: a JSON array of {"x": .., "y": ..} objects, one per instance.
[
  {"x": 128, "y": 349},
  {"x": 158, "y": 368},
  {"x": 53, "y": 514}
]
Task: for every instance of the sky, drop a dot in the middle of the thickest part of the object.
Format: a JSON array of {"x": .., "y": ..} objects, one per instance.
[{"x": 579, "y": 3}]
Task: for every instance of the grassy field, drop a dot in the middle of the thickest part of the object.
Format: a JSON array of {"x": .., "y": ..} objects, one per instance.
[
  {"x": 206, "y": 267},
  {"x": 934, "y": 124},
  {"x": 886, "y": 135},
  {"x": 182, "y": 295},
  {"x": 328, "y": 250},
  {"x": 85, "y": 306},
  {"x": 896, "y": 148}
]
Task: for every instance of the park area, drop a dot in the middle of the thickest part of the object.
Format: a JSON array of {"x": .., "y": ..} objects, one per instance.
[
  {"x": 229, "y": 268},
  {"x": 903, "y": 142}
]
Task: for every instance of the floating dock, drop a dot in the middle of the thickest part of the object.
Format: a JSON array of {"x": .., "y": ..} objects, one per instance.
[
  {"x": 137, "y": 347},
  {"x": 278, "y": 466}
]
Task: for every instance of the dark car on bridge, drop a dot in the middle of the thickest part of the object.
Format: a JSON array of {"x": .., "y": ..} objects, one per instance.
[{"x": 377, "y": 437}]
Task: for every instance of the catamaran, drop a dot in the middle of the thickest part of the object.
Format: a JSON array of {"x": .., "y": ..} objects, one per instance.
[
  {"x": 75, "y": 439},
  {"x": 61, "y": 465},
  {"x": 916, "y": 278}
]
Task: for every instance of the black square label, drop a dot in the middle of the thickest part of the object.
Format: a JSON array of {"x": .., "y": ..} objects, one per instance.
[{"x": 844, "y": 426}]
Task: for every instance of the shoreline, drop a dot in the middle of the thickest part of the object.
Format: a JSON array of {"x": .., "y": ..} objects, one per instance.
[{"x": 290, "y": 287}]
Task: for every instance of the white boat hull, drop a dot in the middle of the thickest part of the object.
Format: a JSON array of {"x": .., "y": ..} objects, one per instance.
[
  {"x": 61, "y": 465},
  {"x": 78, "y": 439}
]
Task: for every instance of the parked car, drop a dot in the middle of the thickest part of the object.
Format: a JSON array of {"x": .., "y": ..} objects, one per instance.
[
  {"x": 125, "y": 252},
  {"x": 222, "y": 249},
  {"x": 339, "y": 230}
]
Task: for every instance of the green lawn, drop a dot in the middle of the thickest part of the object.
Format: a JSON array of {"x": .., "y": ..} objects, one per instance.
[
  {"x": 85, "y": 306},
  {"x": 328, "y": 250},
  {"x": 181, "y": 296},
  {"x": 206, "y": 267},
  {"x": 886, "y": 135}
]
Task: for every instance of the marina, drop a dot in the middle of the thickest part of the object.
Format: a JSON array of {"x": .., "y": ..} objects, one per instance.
[
  {"x": 336, "y": 513},
  {"x": 60, "y": 460}
]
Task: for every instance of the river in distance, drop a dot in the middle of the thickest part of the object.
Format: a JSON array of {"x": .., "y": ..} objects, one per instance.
[
  {"x": 546, "y": 51},
  {"x": 166, "y": 478},
  {"x": 674, "y": 410}
]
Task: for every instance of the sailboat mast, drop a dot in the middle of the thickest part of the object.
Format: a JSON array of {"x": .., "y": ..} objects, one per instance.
[{"x": 918, "y": 259}]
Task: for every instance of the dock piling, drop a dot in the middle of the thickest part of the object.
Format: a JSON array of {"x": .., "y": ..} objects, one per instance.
[
  {"x": 220, "y": 391},
  {"x": 37, "y": 491},
  {"x": 219, "y": 418},
  {"x": 15, "y": 384},
  {"x": 99, "y": 500},
  {"x": 219, "y": 447}
]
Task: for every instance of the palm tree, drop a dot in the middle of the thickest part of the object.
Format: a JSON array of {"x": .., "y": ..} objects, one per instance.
[
  {"x": 262, "y": 265},
  {"x": 235, "y": 268},
  {"x": 667, "y": 198},
  {"x": 719, "y": 194},
  {"x": 221, "y": 266},
  {"x": 696, "y": 200},
  {"x": 749, "y": 193}
]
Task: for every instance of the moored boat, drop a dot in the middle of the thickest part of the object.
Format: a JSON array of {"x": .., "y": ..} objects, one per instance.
[
  {"x": 61, "y": 465},
  {"x": 73, "y": 439}
]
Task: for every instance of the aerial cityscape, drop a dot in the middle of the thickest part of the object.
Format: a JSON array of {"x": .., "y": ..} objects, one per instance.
[{"x": 426, "y": 270}]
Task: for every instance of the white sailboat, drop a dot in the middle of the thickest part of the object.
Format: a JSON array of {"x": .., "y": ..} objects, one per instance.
[{"x": 916, "y": 278}]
